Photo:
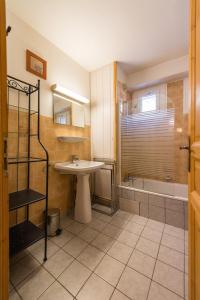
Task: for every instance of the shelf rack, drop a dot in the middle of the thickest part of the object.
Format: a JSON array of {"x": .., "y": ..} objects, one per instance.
[{"x": 26, "y": 233}]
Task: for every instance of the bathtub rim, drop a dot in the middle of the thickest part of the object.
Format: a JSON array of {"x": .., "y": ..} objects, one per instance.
[{"x": 153, "y": 193}]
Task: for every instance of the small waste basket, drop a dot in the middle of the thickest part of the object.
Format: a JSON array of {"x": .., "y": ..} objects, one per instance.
[{"x": 53, "y": 217}]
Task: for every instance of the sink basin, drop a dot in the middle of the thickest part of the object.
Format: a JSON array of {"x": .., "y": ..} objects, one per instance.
[
  {"x": 79, "y": 167},
  {"x": 82, "y": 169}
]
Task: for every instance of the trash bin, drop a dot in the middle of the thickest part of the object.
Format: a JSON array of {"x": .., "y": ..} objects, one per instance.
[{"x": 53, "y": 225}]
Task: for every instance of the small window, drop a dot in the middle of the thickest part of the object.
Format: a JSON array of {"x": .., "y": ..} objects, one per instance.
[{"x": 148, "y": 103}]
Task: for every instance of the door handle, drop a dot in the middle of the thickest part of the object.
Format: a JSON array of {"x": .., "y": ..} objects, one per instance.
[
  {"x": 5, "y": 155},
  {"x": 185, "y": 147}
]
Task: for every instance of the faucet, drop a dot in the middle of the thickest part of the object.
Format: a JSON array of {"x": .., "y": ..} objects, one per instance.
[{"x": 75, "y": 158}]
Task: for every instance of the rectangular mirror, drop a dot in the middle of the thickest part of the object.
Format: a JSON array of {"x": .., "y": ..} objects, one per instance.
[{"x": 68, "y": 113}]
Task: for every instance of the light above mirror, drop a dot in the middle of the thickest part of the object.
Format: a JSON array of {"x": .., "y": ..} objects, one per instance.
[{"x": 66, "y": 93}]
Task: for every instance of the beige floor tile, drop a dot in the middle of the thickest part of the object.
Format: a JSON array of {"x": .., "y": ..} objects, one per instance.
[
  {"x": 128, "y": 238},
  {"x": 74, "y": 277},
  {"x": 112, "y": 231},
  {"x": 133, "y": 284},
  {"x": 174, "y": 231},
  {"x": 117, "y": 295},
  {"x": 35, "y": 284},
  {"x": 20, "y": 270},
  {"x": 171, "y": 257},
  {"x": 38, "y": 252},
  {"x": 18, "y": 256},
  {"x": 157, "y": 292},
  {"x": 105, "y": 218},
  {"x": 110, "y": 270},
  {"x": 96, "y": 214},
  {"x": 88, "y": 234},
  {"x": 97, "y": 224},
  {"x": 95, "y": 288},
  {"x": 159, "y": 226},
  {"x": 148, "y": 247},
  {"x": 40, "y": 243},
  {"x": 123, "y": 214},
  {"x": 14, "y": 296},
  {"x": 63, "y": 238},
  {"x": 103, "y": 242},
  {"x": 90, "y": 257},
  {"x": 173, "y": 242},
  {"x": 57, "y": 263},
  {"x": 152, "y": 234},
  {"x": 134, "y": 228},
  {"x": 142, "y": 263},
  {"x": 139, "y": 220},
  {"x": 119, "y": 222},
  {"x": 75, "y": 246},
  {"x": 169, "y": 277},
  {"x": 56, "y": 291},
  {"x": 65, "y": 221},
  {"x": 120, "y": 251},
  {"x": 75, "y": 227}
]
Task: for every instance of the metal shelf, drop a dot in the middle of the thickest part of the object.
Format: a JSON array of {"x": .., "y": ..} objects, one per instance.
[
  {"x": 24, "y": 235},
  {"x": 23, "y": 198},
  {"x": 23, "y": 160}
]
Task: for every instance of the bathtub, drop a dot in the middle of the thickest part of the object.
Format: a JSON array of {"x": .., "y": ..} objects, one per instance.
[{"x": 170, "y": 189}]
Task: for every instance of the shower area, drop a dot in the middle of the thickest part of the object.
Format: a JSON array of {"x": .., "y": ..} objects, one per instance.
[{"x": 153, "y": 155}]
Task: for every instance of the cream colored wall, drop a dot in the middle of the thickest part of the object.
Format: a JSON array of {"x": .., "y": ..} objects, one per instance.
[
  {"x": 61, "y": 68},
  {"x": 162, "y": 72}
]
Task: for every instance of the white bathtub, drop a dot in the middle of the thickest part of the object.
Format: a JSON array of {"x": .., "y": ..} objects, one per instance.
[{"x": 173, "y": 190}]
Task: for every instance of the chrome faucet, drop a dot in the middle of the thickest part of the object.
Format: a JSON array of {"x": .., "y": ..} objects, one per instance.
[{"x": 75, "y": 158}]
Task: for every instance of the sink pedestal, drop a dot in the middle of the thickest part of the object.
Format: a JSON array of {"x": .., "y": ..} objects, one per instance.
[{"x": 83, "y": 210}]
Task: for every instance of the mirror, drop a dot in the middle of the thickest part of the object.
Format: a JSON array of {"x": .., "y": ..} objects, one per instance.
[{"x": 68, "y": 113}]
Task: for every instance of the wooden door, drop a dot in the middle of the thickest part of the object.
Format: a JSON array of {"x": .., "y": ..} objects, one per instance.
[
  {"x": 3, "y": 174},
  {"x": 194, "y": 176}
]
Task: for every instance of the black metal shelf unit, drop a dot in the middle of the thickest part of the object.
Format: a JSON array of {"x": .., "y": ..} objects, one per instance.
[{"x": 26, "y": 233}]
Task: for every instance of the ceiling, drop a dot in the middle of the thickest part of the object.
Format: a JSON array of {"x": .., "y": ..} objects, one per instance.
[{"x": 137, "y": 33}]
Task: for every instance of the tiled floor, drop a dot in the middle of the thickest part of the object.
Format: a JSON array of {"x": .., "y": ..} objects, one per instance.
[{"x": 119, "y": 258}]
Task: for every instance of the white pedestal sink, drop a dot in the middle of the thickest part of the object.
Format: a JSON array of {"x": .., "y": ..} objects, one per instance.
[{"x": 82, "y": 169}]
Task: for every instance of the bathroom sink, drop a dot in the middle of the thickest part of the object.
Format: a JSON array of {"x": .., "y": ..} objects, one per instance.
[
  {"x": 82, "y": 169},
  {"x": 79, "y": 167}
]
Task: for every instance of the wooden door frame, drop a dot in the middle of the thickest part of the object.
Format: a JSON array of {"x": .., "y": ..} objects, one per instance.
[{"x": 4, "y": 233}]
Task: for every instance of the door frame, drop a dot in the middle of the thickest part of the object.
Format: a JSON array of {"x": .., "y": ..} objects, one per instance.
[{"x": 4, "y": 232}]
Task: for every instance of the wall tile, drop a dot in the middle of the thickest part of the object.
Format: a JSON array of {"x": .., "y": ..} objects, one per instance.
[
  {"x": 61, "y": 193},
  {"x": 173, "y": 204},
  {"x": 157, "y": 213},
  {"x": 130, "y": 194},
  {"x": 144, "y": 210},
  {"x": 186, "y": 215},
  {"x": 141, "y": 197},
  {"x": 174, "y": 218},
  {"x": 129, "y": 205},
  {"x": 156, "y": 200}
]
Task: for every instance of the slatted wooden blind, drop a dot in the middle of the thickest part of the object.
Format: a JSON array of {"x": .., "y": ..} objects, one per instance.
[{"x": 148, "y": 144}]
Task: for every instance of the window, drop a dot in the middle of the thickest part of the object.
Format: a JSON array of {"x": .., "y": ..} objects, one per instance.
[{"x": 148, "y": 103}]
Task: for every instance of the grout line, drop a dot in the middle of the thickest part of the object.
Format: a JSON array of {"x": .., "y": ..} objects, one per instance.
[
  {"x": 126, "y": 265},
  {"x": 105, "y": 253},
  {"x": 156, "y": 261}
]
